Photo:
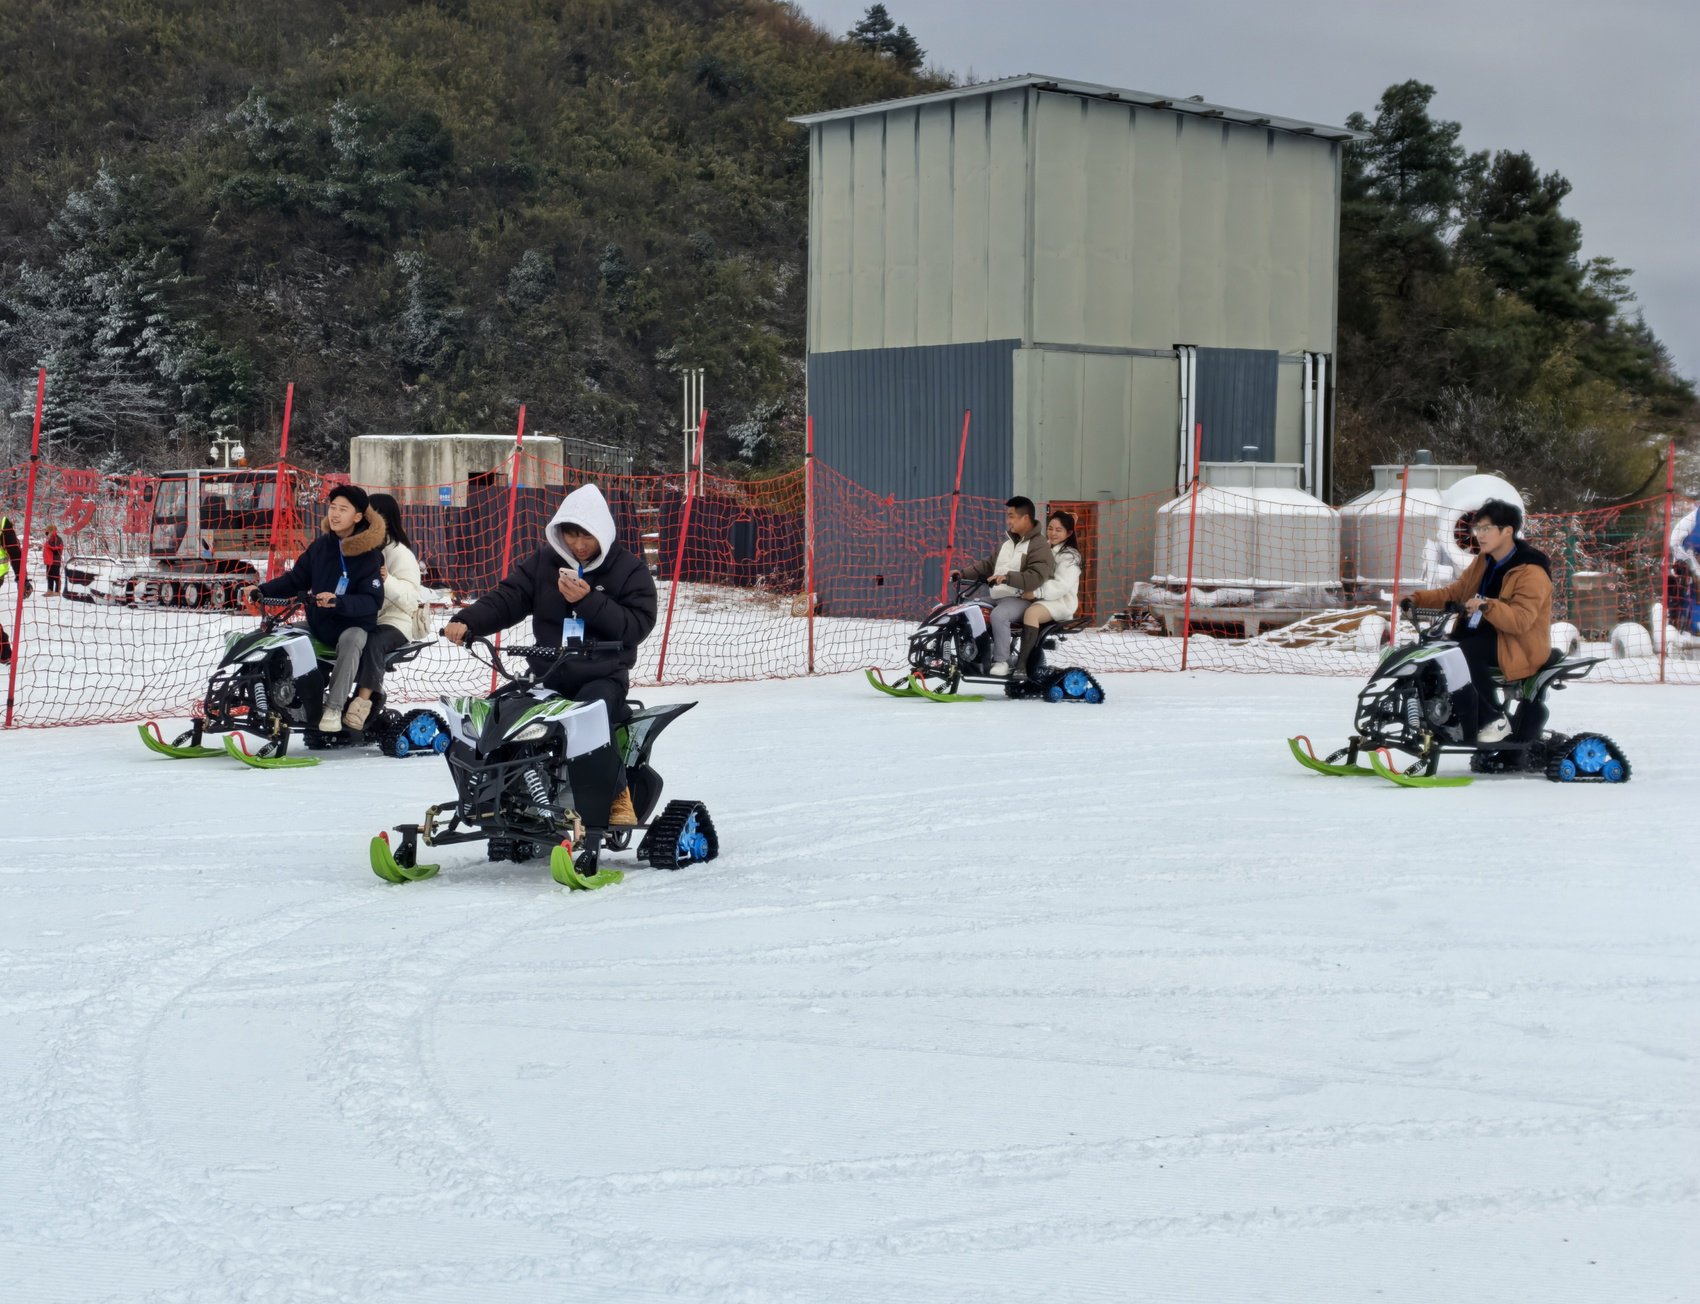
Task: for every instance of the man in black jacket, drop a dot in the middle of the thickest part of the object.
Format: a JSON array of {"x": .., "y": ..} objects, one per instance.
[
  {"x": 340, "y": 570},
  {"x": 581, "y": 584}
]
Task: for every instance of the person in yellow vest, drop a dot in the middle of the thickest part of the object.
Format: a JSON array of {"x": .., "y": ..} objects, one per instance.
[{"x": 11, "y": 559}]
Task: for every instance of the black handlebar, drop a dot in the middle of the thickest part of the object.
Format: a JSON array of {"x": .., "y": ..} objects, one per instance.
[
  {"x": 578, "y": 651},
  {"x": 582, "y": 649}
]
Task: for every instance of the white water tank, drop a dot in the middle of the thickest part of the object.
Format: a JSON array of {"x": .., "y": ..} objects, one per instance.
[
  {"x": 1255, "y": 530},
  {"x": 1369, "y": 525},
  {"x": 1450, "y": 548}
]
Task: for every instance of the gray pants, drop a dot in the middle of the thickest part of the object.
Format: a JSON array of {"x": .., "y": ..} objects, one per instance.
[
  {"x": 1005, "y": 613},
  {"x": 348, "y": 650}
]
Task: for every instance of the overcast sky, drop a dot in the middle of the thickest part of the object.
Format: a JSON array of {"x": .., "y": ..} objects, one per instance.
[{"x": 1606, "y": 93}]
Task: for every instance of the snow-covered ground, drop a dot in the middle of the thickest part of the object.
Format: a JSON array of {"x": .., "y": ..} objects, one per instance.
[{"x": 982, "y": 1003}]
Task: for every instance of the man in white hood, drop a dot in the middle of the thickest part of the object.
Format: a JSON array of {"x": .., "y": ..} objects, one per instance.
[{"x": 581, "y": 584}]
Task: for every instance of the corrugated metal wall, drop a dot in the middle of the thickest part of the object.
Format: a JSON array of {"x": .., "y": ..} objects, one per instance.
[
  {"x": 918, "y": 225},
  {"x": 1095, "y": 425},
  {"x": 891, "y": 419},
  {"x": 1153, "y": 229},
  {"x": 1236, "y": 402}
]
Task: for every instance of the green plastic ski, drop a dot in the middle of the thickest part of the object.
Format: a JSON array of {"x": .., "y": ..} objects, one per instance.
[
  {"x": 236, "y": 746},
  {"x": 878, "y": 681},
  {"x": 1416, "y": 780},
  {"x": 1307, "y": 758},
  {"x": 386, "y": 867},
  {"x": 564, "y": 872},
  {"x": 155, "y": 742},
  {"x": 922, "y": 690}
]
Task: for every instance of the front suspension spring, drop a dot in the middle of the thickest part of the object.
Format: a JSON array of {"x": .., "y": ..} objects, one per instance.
[{"x": 536, "y": 786}]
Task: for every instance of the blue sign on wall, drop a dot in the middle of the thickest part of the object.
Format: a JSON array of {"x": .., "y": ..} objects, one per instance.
[{"x": 445, "y": 495}]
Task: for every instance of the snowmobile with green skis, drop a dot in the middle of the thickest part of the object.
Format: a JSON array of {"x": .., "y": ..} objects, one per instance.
[
  {"x": 953, "y": 646},
  {"x": 271, "y": 683},
  {"x": 536, "y": 775},
  {"x": 1411, "y": 705}
]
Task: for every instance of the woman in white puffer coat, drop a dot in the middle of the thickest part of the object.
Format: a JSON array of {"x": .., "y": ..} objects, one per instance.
[
  {"x": 1058, "y": 598},
  {"x": 400, "y": 620}
]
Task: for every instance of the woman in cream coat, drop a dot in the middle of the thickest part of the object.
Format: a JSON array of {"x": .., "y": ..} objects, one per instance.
[
  {"x": 1058, "y": 598},
  {"x": 399, "y": 619}
]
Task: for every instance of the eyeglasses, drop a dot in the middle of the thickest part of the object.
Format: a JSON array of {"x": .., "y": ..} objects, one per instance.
[{"x": 1485, "y": 527}]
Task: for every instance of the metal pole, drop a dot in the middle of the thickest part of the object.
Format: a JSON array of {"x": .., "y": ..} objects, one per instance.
[
  {"x": 508, "y": 537},
  {"x": 278, "y": 487},
  {"x": 809, "y": 534},
  {"x": 1664, "y": 631},
  {"x": 693, "y": 409},
  {"x": 24, "y": 549},
  {"x": 679, "y": 555},
  {"x": 955, "y": 498},
  {"x": 1191, "y": 532},
  {"x": 1398, "y": 556}
]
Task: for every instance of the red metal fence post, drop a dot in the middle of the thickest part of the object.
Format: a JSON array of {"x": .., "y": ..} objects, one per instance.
[
  {"x": 1191, "y": 533},
  {"x": 955, "y": 498},
  {"x": 1398, "y": 556},
  {"x": 24, "y": 549},
  {"x": 513, "y": 504},
  {"x": 1664, "y": 631},
  {"x": 280, "y": 486},
  {"x": 691, "y": 478}
]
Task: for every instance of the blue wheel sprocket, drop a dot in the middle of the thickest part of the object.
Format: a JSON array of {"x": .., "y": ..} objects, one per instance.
[
  {"x": 1591, "y": 755},
  {"x": 1589, "y": 758},
  {"x": 692, "y": 844}
]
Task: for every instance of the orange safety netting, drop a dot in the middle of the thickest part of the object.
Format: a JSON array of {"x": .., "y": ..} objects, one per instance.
[{"x": 806, "y": 572}]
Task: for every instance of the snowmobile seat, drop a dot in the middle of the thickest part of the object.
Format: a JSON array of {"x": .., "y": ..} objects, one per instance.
[
  {"x": 1052, "y": 630},
  {"x": 1555, "y": 667},
  {"x": 405, "y": 653},
  {"x": 1553, "y": 658}
]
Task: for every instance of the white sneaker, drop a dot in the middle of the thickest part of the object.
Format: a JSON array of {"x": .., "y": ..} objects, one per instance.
[
  {"x": 999, "y": 670},
  {"x": 330, "y": 721},
  {"x": 1496, "y": 730}
]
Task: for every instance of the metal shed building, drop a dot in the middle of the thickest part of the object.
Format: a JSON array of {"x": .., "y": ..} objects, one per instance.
[{"x": 1090, "y": 270}]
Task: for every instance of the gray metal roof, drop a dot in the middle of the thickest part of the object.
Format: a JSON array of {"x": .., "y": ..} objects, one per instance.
[{"x": 1146, "y": 99}]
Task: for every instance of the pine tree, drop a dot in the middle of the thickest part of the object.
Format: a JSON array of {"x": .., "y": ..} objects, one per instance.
[{"x": 880, "y": 34}]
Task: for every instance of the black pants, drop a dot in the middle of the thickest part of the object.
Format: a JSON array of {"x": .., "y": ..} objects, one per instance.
[
  {"x": 1480, "y": 647},
  {"x": 607, "y": 689},
  {"x": 53, "y": 578},
  {"x": 379, "y": 644}
]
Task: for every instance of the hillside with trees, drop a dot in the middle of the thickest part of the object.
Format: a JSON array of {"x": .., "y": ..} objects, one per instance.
[
  {"x": 1472, "y": 324},
  {"x": 425, "y": 212}
]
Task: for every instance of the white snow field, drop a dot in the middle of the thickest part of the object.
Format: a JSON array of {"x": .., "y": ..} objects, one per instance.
[{"x": 981, "y": 1004}]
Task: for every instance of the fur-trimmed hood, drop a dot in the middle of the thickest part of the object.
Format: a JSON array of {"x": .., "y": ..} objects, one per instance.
[{"x": 372, "y": 534}]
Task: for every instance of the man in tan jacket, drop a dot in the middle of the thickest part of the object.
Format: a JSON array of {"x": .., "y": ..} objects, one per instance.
[{"x": 1507, "y": 621}]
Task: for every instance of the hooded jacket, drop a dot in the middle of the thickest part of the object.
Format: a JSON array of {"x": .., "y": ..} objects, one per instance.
[
  {"x": 1517, "y": 603},
  {"x": 620, "y": 605},
  {"x": 321, "y": 568}
]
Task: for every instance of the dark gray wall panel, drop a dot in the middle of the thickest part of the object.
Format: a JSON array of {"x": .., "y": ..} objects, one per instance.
[
  {"x": 891, "y": 419},
  {"x": 1236, "y": 402}
]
